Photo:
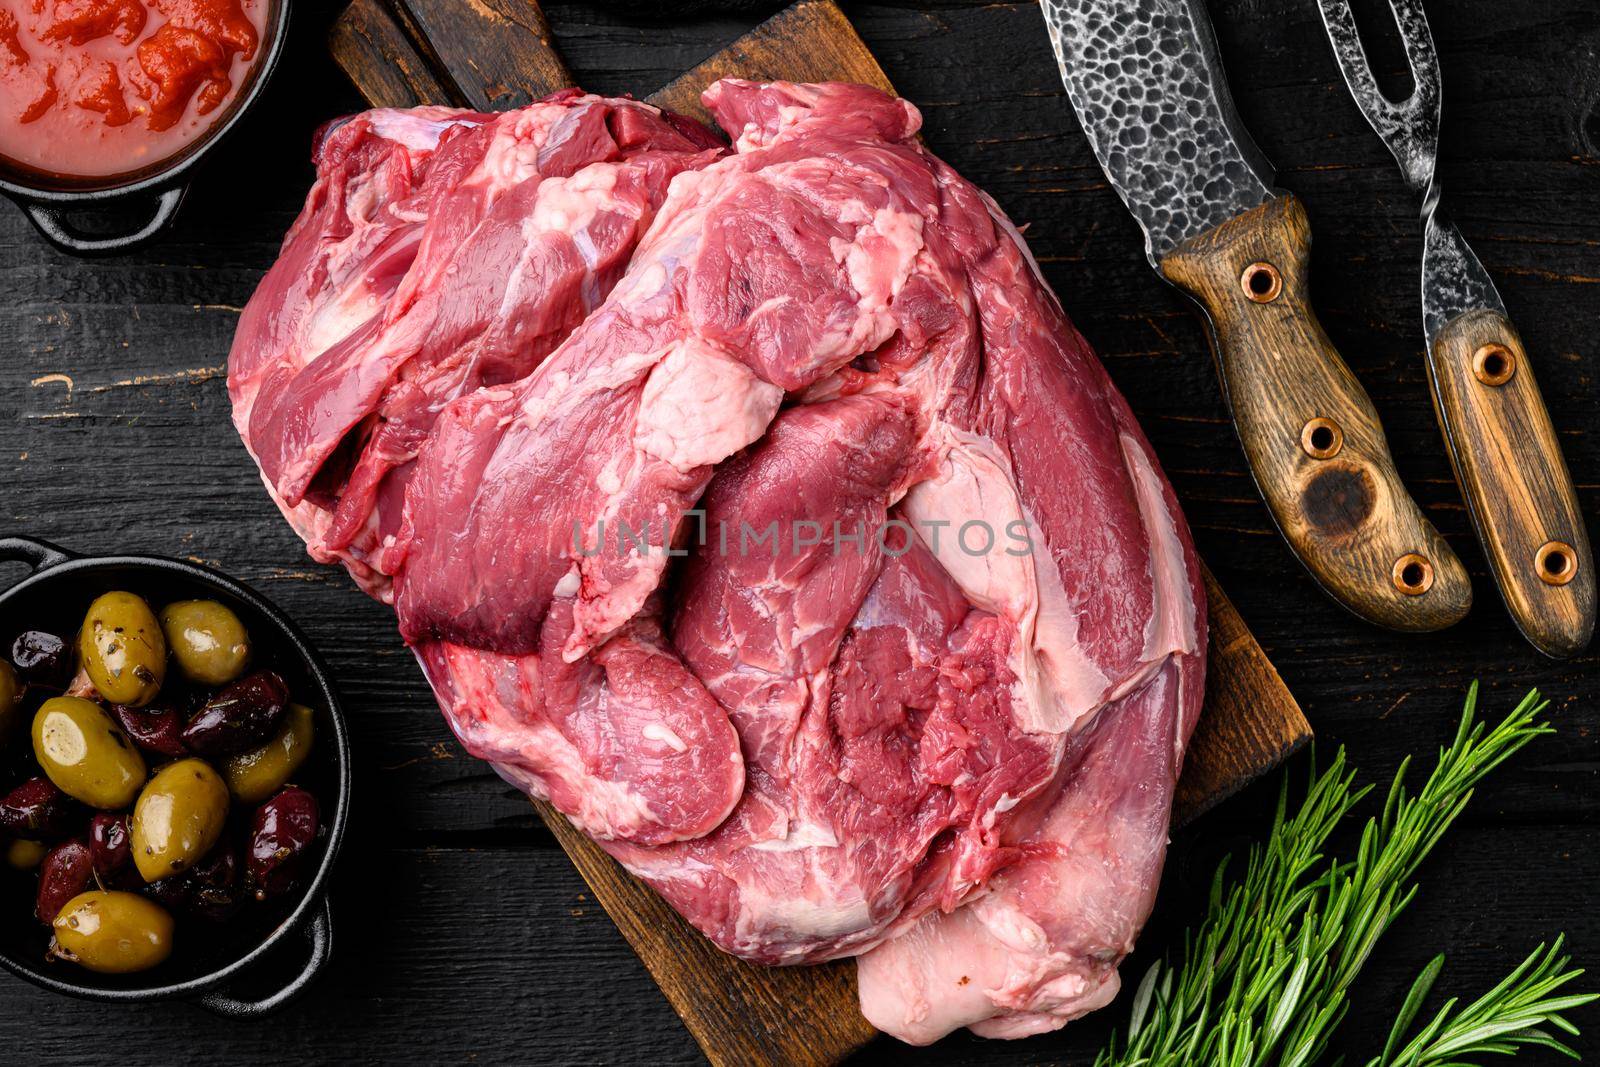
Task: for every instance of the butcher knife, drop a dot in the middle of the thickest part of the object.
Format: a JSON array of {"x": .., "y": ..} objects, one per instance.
[
  {"x": 1499, "y": 435},
  {"x": 1147, "y": 83}
]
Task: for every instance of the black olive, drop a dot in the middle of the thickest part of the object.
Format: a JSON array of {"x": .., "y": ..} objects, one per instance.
[
  {"x": 281, "y": 837},
  {"x": 41, "y": 658},
  {"x": 242, "y": 716}
]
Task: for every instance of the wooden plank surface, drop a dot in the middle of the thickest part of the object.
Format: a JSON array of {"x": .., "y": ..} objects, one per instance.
[
  {"x": 738, "y": 1012},
  {"x": 810, "y": 41},
  {"x": 1250, "y": 721},
  {"x": 496, "y": 53},
  {"x": 465, "y": 935},
  {"x": 741, "y": 1014},
  {"x": 379, "y": 57}
]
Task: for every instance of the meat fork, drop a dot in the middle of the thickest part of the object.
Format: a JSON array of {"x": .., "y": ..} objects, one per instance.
[{"x": 1496, "y": 429}]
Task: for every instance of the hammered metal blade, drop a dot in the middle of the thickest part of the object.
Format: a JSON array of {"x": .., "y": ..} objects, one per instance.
[
  {"x": 1409, "y": 127},
  {"x": 1454, "y": 281},
  {"x": 1147, "y": 83}
]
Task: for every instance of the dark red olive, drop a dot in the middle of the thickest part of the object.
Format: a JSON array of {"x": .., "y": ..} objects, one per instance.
[
  {"x": 41, "y": 658},
  {"x": 172, "y": 892},
  {"x": 108, "y": 842},
  {"x": 280, "y": 839},
  {"x": 66, "y": 871},
  {"x": 157, "y": 727},
  {"x": 36, "y": 808},
  {"x": 243, "y": 715},
  {"x": 216, "y": 888}
]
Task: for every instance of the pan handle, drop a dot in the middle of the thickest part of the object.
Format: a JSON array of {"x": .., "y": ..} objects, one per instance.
[
  {"x": 38, "y": 555},
  {"x": 319, "y": 943},
  {"x": 55, "y": 223}
]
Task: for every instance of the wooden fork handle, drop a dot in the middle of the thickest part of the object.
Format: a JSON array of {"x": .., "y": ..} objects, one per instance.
[
  {"x": 1309, "y": 430},
  {"x": 1515, "y": 481}
]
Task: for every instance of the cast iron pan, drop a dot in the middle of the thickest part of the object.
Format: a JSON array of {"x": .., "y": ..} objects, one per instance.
[
  {"x": 53, "y": 596},
  {"x": 145, "y": 201}
]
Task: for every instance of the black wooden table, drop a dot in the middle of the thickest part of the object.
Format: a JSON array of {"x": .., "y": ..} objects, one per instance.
[{"x": 463, "y": 933}]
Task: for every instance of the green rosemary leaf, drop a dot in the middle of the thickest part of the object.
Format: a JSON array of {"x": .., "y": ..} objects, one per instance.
[
  {"x": 1264, "y": 977},
  {"x": 1141, "y": 999},
  {"x": 1501, "y": 1021},
  {"x": 1413, "y": 1004}
]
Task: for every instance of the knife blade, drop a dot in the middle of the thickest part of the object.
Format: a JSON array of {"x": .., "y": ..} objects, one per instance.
[
  {"x": 1502, "y": 444},
  {"x": 1146, "y": 81}
]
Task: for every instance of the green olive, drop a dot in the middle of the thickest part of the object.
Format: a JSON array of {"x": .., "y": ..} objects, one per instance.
[
  {"x": 86, "y": 754},
  {"x": 25, "y": 855},
  {"x": 255, "y": 775},
  {"x": 112, "y": 933},
  {"x": 10, "y": 697},
  {"x": 207, "y": 640},
  {"x": 122, "y": 649},
  {"x": 178, "y": 818}
]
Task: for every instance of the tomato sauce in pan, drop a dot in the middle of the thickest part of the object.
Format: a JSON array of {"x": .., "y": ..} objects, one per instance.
[{"x": 96, "y": 88}]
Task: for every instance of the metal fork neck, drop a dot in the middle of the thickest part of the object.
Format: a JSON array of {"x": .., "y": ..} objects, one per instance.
[{"x": 1430, "y": 200}]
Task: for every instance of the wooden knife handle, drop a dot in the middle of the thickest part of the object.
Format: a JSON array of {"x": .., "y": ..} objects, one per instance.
[
  {"x": 1309, "y": 430},
  {"x": 1514, "y": 479}
]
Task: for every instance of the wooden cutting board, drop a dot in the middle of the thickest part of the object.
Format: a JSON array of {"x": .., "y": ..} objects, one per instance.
[{"x": 495, "y": 54}]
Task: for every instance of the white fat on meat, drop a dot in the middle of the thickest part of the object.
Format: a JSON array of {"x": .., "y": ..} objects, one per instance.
[
  {"x": 420, "y": 128},
  {"x": 698, "y": 407},
  {"x": 1058, "y": 684},
  {"x": 1172, "y": 623},
  {"x": 701, "y": 405},
  {"x": 513, "y": 154},
  {"x": 1040, "y": 947}
]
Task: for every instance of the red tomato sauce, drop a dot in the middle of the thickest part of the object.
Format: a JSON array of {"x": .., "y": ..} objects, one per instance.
[{"x": 95, "y": 88}]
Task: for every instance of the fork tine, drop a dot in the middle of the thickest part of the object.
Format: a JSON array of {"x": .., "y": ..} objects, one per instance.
[
  {"x": 1417, "y": 40},
  {"x": 1409, "y": 127},
  {"x": 1340, "y": 21}
]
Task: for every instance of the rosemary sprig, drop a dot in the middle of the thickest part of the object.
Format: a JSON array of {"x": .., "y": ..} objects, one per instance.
[
  {"x": 1501, "y": 1021},
  {"x": 1264, "y": 977}
]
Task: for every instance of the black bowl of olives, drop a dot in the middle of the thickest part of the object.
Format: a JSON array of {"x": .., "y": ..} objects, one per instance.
[{"x": 174, "y": 784}]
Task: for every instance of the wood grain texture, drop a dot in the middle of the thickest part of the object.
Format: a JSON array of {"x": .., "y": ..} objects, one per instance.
[
  {"x": 1514, "y": 479},
  {"x": 465, "y": 934},
  {"x": 1347, "y": 516},
  {"x": 1250, "y": 721},
  {"x": 740, "y": 1013},
  {"x": 805, "y": 42},
  {"x": 496, "y": 53},
  {"x": 379, "y": 57}
]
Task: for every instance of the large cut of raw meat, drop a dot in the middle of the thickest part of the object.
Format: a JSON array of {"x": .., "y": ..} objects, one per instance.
[{"x": 761, "y": 510}]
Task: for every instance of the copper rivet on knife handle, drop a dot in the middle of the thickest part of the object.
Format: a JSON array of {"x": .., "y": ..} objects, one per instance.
[
  {"x": 1557, "y": 562},
  {"x": 1321, "y": 438},
  {"x": 1349, "y": 517},
  {"x": 1494, "y": 364},
  {"x": 1522, "y": 499},
  {"x": 1413, "y": 574},
  {"x": 1261, "y": 282}
]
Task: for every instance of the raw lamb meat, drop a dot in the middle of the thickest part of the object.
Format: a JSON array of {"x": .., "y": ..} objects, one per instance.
[
  {"x": 440, "y": 251},
  {"x": 762, "y": 511}
]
